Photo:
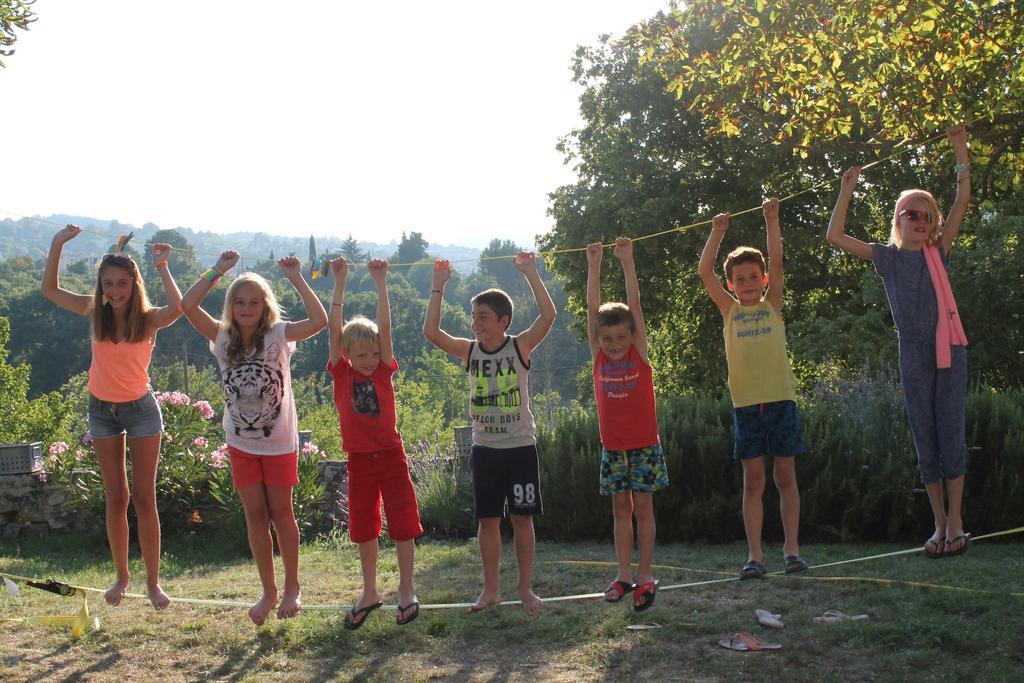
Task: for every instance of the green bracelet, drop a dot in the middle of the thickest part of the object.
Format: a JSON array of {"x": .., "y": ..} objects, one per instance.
[{"x": 212, "y": 275}]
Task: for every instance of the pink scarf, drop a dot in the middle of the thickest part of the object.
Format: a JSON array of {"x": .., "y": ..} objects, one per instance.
[{"x": 949, "y": 331}]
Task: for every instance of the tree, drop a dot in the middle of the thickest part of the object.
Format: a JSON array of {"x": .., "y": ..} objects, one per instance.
[
  {"x": 817, "y": 76},
  {"x": 312, "y": 249},
  {"x": 644, "y": 165},
  {"x": 351, "y": 251},
  {"x": 13, "y": 14},
  {"x": 411, "y": 249},
  {"x": 20, "y": 418},
  {"x": 182, "y": 261}
]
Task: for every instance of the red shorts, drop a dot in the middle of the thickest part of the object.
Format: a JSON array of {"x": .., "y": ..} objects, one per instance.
[
  {"x": 272, "y": 470},
  {"x": 375, "y": 476}
]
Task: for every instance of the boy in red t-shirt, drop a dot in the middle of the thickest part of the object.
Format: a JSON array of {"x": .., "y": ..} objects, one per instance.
[
  {"x": 632, "y": 462},
  {"x": 362, "y": 362}
]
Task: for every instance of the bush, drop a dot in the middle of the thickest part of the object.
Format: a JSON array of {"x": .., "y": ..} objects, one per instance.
[
  {"x": 443, "y": 491},
  {"x": 858, "y": 482},
  {"x": 193, "y": 484}
]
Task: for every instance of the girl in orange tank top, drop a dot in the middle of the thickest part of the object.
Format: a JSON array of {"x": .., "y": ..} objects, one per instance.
[{"x": 122, "y": 408}]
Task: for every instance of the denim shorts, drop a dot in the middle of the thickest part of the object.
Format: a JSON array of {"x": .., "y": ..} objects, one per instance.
[{"x": 140, "y": 417}]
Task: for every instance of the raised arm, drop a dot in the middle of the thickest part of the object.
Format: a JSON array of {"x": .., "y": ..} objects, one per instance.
[
  {"x": 336, "y": 316},
  {"x": 379, "y": 272},
  {"x": 453, "y": 346},
  {"x": 776, "y": 273},
  {"x": 50, "y": 287},
  {"x": 951, "y": 226},
  {"x": 205, "y": 323},
  {"x": 595, "y": 251},
  {"x": 316, "y": 316},
  {"x": 837, "y": 225},
  {"x": 624, "y": 252},
  {"x": 718, "y": 293},
  {"x": 526, "y": 263},
  {"x": 165, "y": 315}
]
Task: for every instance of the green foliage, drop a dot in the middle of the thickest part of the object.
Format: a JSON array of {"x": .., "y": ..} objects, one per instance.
[
  {"x": 857, "y": 482},
  {"x": 22, "y": 420},
  {"x": 13, "y": 14},
  {"x": 820, "y": 76},
  {"x": 444, "y": 492}
]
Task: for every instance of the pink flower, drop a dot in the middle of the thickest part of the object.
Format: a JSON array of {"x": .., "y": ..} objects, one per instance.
[
  {"x": 172, "y": 398},
  {"x": 219, "y": 457},
  {"x": 87, "y": 439},
  {"x": 57, "y": 447},
  {"x": 204, "y": 408},
  {"x": 199, "y": 442},
  {"x": 79, "y": 456},
  {"x": 42, "y": 475},
  {"x": 310, "y": 449}
]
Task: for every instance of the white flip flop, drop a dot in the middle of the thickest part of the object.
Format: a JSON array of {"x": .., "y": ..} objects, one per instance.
[{"x": 766, "y": 618}]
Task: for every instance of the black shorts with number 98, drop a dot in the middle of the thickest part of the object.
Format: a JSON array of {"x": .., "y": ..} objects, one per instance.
[{"x": 506, "y": 481}]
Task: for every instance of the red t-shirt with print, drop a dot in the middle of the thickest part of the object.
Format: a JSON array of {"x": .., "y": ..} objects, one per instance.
[
  {"x": 366, "y": 407},
  {"x": 624, "y": 390}
]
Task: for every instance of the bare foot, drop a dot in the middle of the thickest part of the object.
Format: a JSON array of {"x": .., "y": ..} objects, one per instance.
[
  {"x": 291, "y": 603},
  {"x": 115, "y": 593},
  {"x": 531, "y": 603},
  {"x": 486, "y": 599},
  {"x": 158, "y": 598},
  {"x": 258, "y": 612}
]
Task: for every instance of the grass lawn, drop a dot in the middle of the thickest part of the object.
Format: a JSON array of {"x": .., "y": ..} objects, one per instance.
[{"x": 912, "y": 633}]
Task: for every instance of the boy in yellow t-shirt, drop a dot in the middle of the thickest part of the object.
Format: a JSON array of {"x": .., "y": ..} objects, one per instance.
[{"x": 761, "y": 382}]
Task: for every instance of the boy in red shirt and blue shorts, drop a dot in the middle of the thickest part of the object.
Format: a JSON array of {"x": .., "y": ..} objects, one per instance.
[{"x": 632, "y": 462}]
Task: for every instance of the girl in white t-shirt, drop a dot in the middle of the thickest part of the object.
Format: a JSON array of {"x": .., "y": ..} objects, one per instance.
[{"x": 253, "y": 348}]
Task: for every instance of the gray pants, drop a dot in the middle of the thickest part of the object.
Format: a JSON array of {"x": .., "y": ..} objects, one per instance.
[{"x": 935, "y": 406}]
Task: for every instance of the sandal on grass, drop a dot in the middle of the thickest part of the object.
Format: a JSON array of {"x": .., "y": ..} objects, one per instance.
[
  {"x": 617, "y": 590},
  {"x": 965, "y": 537},
  {"x": 357, "y": 617},
  {"x": 766, "y": 618},
  {"x": 753, "y": 570},
  {"x": 795, "y": 563},
  {"x": 747, "y": 642},
  {"x": 834, "y": 616},
  {"x": 644, "y": 594}
]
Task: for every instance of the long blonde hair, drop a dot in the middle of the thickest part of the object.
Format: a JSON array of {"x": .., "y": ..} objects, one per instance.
[
  {"x": 104, "y": 325},
  {"x": 235, "y": 348},
  {"x": 933, "y": 208}
]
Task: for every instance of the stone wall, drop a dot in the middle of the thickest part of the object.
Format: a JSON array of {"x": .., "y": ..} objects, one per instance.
[
  {"x": 31, "y": 505},
  {"x": 28, "y": 504}
]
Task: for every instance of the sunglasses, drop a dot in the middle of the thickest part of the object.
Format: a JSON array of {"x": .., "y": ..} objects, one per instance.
[{"x": 914, "y": 214}]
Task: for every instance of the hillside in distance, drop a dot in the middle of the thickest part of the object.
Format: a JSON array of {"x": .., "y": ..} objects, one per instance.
[{"x": 31, "y": 236}]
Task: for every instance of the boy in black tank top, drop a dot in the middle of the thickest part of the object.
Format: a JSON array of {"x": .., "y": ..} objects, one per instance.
[{"x": 503, "y": 461}]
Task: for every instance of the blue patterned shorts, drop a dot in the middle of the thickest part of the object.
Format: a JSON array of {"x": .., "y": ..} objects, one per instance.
[
  {"x": 638, "y": 469},
  {"x": 767, "y": 429}
]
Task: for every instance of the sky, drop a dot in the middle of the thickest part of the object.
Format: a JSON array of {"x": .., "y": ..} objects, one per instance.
[{"x": 325, "y": 118}]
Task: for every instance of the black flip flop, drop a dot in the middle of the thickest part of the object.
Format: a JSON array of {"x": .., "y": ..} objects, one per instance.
[
  {"x": 350, "y": 619},
  {"x": 962, "y": 549},
  {"x": 415, "y": 606}
]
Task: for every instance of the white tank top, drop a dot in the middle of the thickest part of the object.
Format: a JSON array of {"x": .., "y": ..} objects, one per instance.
[{"x": 499, "y": 396}]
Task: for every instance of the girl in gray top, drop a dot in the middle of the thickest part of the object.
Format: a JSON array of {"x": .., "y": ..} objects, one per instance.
[{"x": 934, "y": 396}]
